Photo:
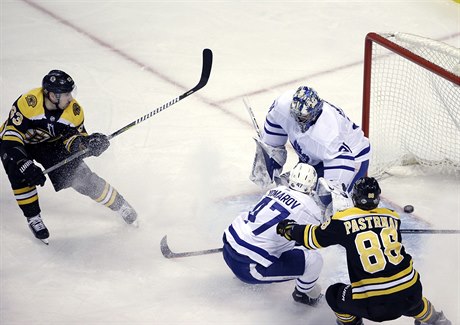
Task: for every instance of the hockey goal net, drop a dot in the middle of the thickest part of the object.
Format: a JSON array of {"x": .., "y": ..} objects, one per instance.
[{"x": 411, "y": 102}]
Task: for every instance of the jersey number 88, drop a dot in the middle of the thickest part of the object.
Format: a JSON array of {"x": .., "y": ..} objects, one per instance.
[{"x": 373, "y": 257}]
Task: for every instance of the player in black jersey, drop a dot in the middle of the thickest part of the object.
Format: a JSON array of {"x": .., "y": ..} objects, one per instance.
[
  {"x": 384, "y": 284},
  {"x": 46, "y": 125}
]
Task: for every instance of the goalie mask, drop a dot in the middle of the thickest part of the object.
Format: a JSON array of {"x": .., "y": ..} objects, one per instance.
[
  {"x": 303, "y": 178},
  {"x": 306, "y": 107},
  {"x": 366, "y": 193}
]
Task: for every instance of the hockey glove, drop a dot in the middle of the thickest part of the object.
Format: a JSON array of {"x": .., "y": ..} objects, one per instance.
[
  {"x": 31, "y": 173},
  {"x": 334, "y": 196},
  {"x": 96, "y": 144},
  {"x": 284, "y": 228},
  {"x": 19, "y": 166}
]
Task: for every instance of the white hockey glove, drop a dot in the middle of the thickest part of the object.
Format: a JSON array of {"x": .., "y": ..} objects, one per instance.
[
  {"x": 268, "y": 163},
  {"x": 339, "y": 197}
]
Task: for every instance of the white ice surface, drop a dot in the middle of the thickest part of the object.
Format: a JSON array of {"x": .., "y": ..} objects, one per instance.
[{"x": 186, "y": 169}]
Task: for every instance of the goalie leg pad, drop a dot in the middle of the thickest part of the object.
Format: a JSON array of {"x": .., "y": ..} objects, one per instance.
[{"x": 268, "y": 163}]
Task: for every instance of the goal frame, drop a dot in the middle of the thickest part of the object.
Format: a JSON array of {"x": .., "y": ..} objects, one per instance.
[{"x": 373, "y": 37}]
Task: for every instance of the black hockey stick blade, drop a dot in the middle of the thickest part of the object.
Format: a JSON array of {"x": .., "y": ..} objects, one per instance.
[
  {"x": 166, "y": 251},
  {"x": 429, "y": 231},
  {"x": 205, "y": 73}
]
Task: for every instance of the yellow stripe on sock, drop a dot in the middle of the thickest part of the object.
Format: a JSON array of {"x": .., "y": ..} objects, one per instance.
[{"x": 104, "y": 193}]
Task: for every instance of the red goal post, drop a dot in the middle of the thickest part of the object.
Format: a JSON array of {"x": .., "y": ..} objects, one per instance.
[{"x": 411, "y": 102}]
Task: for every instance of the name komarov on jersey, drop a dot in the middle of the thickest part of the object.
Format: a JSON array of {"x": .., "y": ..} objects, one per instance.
[{"x": 284, "y": 197}]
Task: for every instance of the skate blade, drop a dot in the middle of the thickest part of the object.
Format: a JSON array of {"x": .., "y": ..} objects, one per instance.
[{"x": 135, "y": 224}]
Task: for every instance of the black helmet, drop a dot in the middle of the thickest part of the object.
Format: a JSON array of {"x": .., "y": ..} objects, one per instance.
[
  {"x": 366, "y": 193},
  {"x": 58, "y": 82}
]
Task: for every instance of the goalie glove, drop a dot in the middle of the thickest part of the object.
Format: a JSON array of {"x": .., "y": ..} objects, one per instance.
[
  {"x": 338, "y": 197},
  {"x": 268, "y": 163}
]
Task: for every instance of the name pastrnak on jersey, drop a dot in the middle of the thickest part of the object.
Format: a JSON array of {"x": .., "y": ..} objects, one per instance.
[
  {"x": 30, "y": 123},
  {"x": 377, "y": 262}
]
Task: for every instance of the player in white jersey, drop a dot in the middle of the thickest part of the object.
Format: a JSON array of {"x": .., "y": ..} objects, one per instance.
[
  {"x": 256, "y": 254},
  {"x": 321, "y": 135}
]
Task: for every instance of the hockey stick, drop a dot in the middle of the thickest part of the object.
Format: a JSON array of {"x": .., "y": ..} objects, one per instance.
[
  {"x": 253, "y": 118},
  {"x": 205, "y": 73},
  {"x": 429, "y": 231},
  {"x": 276, "y": 177},
  {"x": 168, "y": 253}
]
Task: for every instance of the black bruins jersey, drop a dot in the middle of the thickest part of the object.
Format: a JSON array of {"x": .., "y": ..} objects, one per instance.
[
  {"x": 377, "y": 262},
  {"x": 30, "y": 123}
]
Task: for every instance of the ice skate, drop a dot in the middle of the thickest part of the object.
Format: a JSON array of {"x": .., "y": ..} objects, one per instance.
[
  {"x": 442, "y": 320},
  {"x": 38, "y": 228},
  {"x": 127, "y": 212},
  {"x": 305, "y": 299},
  {"x": 439, "y": 319}
]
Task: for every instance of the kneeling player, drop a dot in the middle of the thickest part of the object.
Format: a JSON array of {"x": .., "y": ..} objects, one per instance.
[{"x": 256, "y": 254}]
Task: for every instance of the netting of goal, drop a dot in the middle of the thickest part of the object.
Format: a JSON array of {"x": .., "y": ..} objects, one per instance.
[{"x": 411, "y": 102}]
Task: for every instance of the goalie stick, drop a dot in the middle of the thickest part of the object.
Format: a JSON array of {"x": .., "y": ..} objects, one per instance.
[
  {"x": 168, "y": 253},
  {"x": 205, "y": 73},
  {"x": 267, "y": 157},
  {"x": 251, "y": 114}
]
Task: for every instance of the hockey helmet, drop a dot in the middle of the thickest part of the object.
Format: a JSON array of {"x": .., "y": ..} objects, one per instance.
[
  {"x": 302, "y": 178},
  {"x": 58, "y": 82},
  {"x": 366, "y": 193},
  {"x": 306, "y": 107}
]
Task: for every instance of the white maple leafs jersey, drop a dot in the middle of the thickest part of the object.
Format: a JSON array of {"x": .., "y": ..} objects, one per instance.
[
  {"x": 334, "y": 139},
  {"x": 253, "y": 233}
]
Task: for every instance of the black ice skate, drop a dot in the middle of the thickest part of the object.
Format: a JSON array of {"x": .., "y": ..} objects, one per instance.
[
  {"x": 127, "y": 212},
  {"x": 38, "y": 228},
  {"x": 305, "y": 299}
]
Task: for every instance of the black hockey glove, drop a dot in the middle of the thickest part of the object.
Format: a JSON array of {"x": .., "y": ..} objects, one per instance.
[
  {"x": 284, "y": 228},
  {"x": 97, "y": 143},
  {"x": 31, "y": 173}
]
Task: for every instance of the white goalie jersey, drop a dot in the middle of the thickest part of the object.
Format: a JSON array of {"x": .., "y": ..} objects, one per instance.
[
  {"x": 253, "y": 233},
  {"x": 333, "y": 140}
]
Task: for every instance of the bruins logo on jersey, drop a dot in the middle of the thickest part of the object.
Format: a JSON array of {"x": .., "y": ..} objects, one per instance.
[
  {"x": 76, "y": 109},
  {"x": 31, "y": 100}
]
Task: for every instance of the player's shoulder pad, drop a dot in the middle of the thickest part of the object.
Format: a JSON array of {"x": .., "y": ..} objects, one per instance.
[
  {"x": 282, "y": 103},
  {"x": 73, "y": 114},
  {"x": 387, "y": 211},
  {"x": 30, "y": 104},
  {"x": 343, "y": 214}
]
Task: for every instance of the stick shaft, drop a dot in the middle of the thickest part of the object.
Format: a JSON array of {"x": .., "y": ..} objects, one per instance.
[
  {"x": 205, "y": 73},
  {"x": 253, "y": 118},
  {"x": 430, "y": 231},
  {"x": 166, "y": 251}
]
